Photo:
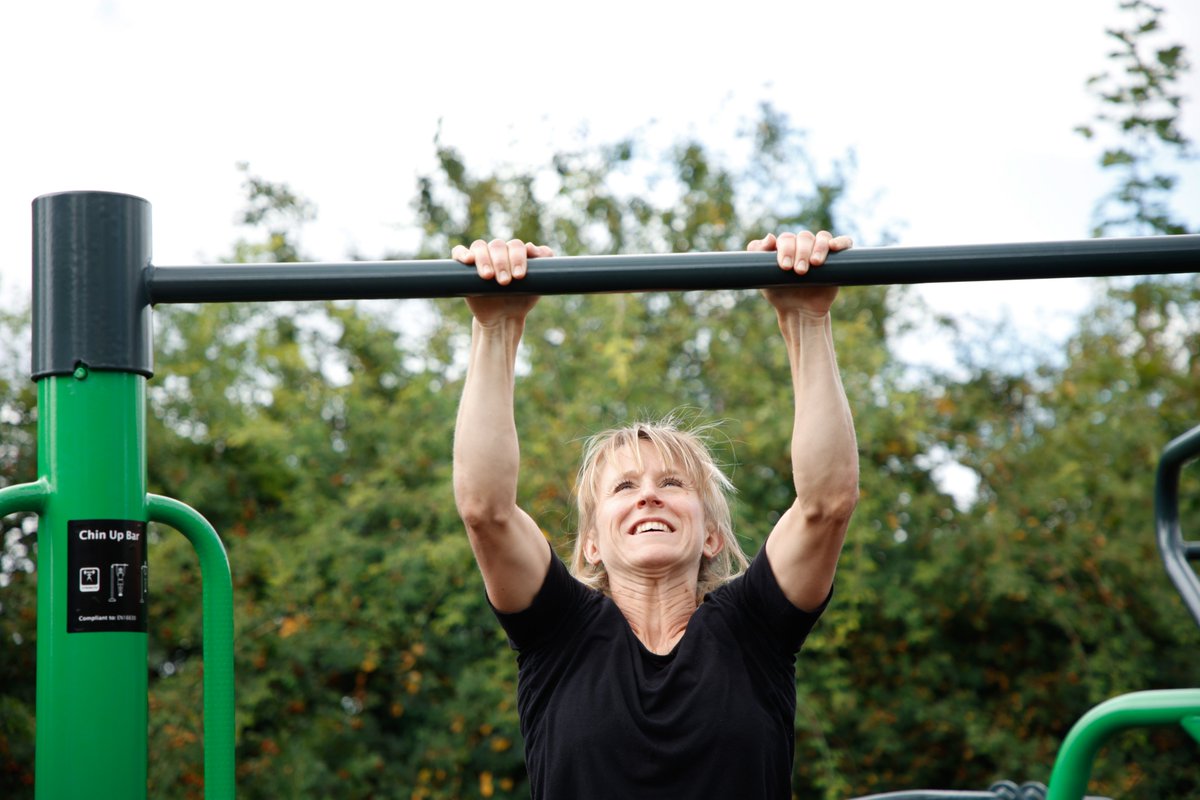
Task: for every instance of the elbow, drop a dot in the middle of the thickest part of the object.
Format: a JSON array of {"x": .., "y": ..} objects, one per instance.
[
  {"x": 481, "y": 514},
  {"x": 830, "y": 509}
]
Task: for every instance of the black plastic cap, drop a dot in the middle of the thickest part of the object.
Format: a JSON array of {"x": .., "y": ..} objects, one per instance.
[{"x": 90, "y": 252}]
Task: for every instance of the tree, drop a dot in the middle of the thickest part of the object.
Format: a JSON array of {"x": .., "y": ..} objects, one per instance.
[
  {"x": 18, "y": 587},
  {"x": 1139, "y": 117}
]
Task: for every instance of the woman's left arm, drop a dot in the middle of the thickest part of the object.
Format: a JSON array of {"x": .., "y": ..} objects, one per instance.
[{"x": 805, "y": 544}]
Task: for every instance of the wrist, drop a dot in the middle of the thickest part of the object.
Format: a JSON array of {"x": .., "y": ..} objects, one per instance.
[
  {"x": 500, "y": 325},
  {"x": 502, "y": 333},
  {"x": 801, "y": 315}
]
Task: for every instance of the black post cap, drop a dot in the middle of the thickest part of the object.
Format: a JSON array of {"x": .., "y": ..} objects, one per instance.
[{"x": 90, "y": 307}]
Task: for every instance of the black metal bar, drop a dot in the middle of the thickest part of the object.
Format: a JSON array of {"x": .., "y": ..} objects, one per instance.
[
  {"x": 1174, "y": 550},
  {"x": 1150, "y": 255}
]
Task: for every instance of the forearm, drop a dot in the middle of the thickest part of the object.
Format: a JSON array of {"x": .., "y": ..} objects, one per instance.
[
  {"x": 824, "y": 449},
  {"x": 486, "y": 450}
]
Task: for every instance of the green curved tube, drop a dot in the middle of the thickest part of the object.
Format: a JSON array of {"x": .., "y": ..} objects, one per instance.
[
  {"x": 218, "y": 640},
  {"x": 24, "y": 497},
  {"x": 1073, "y": 767}
]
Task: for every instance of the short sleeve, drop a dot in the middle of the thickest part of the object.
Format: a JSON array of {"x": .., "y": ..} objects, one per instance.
[
  {"x": 768, "y": 612},
  {"x": 560, "y": 599}
]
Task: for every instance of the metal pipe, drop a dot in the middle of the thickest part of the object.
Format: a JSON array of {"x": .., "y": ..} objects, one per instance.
[
  {"x": 1174, "y": 550},
  {"x": 1073, "y": 766},
  {"x": 1150, "y": 255},
  {"x": 217, "y": 604},
  {"x": 91, "y": 359},
  {"x": 24, "y": 497},
  {"x": 92, "y": 684}
]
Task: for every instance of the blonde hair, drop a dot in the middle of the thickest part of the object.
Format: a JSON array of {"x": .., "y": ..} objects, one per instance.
[{"x": 687, "y": 450}]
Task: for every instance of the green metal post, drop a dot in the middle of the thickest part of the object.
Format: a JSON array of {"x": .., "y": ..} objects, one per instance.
[
  {"x": 91, "y": 359},
  {"x": 91, "y": 677}
]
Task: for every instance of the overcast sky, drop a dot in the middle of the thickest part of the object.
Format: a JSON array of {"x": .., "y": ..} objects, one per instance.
[{"x": 961, "y": 114}]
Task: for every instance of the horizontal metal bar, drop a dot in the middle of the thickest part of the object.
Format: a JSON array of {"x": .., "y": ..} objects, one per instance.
[{"x": 1150, "y": 255}]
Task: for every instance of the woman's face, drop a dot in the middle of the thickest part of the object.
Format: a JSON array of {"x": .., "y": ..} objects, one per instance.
[{"x": 649, "y": 518}]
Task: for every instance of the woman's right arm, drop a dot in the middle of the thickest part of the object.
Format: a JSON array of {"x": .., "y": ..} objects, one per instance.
[{"x": 509, "y": 547}]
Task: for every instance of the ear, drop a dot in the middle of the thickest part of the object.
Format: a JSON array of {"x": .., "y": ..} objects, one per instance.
[
  {"x": 591, "y": 552},
  {"x": 713, "y": 543}
]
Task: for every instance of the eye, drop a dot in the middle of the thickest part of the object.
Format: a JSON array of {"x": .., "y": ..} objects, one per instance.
[
  {"x": 673, "y": 481},
  {"x": 623, "y": 485}
]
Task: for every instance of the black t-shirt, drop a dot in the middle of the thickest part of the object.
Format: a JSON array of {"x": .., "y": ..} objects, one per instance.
[{"x": 603, "y": 717}]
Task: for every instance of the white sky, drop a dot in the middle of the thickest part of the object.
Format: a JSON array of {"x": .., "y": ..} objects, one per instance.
[{"x": 961, "y": 113}]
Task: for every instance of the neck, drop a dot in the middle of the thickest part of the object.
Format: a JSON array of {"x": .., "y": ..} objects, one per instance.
[{"x": 658, "y": 610}]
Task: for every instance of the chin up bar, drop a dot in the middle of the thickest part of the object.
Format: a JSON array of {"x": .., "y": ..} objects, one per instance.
[{"x": 94, "y": 285}]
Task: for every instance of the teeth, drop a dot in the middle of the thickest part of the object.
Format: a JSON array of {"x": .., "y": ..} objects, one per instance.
[{"x": 650, "y": 526}]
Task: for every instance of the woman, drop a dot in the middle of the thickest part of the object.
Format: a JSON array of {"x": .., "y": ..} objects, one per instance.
[{"x": 653, "y": 672}]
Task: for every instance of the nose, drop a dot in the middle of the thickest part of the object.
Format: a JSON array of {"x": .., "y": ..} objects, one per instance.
[{"x": 649, "y": 496}]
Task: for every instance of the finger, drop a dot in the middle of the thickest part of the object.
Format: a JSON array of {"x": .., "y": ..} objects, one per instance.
[
  {"x": 804, "y": 248},
  {"x": 820, "y": 248},
  {"x": 840, "y": 243},
  {"x": 786, "y": 248},
  {"x": 462, "y": 254},
  {"x": 538, "y": 251},
  {"x": 483, "y": 260},
  {"x": 765, "y": 244},
  {"x": 498, "y": 250},
  {"x": 516, "y": 258}
]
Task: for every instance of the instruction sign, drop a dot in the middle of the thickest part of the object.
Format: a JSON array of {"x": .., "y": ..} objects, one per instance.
[{"x": 106, "y": 576}]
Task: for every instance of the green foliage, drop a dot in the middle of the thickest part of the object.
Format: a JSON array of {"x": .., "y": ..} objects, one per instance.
[
  {"x": 280, "y": 212},
  {"x": 617, "y": 198},
  {"x": 1141, "y": 99},
  {"x": 1062, "y": 533},
  {"x": 18, "y": 586}
]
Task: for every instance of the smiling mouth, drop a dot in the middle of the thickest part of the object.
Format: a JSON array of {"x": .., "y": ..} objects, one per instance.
[{"x": 651, "y": 526}]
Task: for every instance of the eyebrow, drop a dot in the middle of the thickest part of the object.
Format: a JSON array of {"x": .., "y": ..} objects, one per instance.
[{"x": 662, "y": 473}]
